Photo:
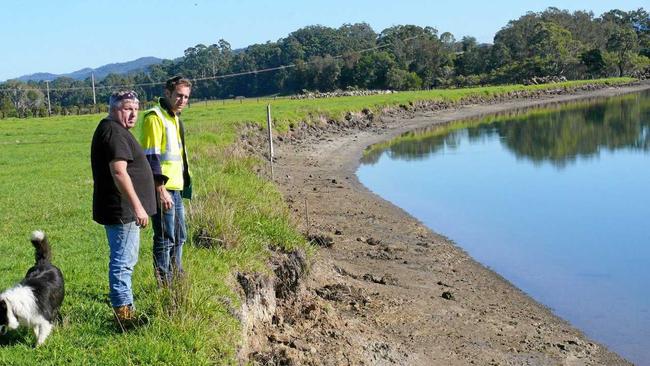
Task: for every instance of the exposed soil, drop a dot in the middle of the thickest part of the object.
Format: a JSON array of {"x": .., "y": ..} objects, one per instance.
[{"x": 384, "y": 289}]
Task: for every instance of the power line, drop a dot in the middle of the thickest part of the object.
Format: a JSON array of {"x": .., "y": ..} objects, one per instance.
[{"x": 215, "y": 77}]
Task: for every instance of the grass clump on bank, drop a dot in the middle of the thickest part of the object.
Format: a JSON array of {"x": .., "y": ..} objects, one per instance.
[{"x": 236, "y": 215}]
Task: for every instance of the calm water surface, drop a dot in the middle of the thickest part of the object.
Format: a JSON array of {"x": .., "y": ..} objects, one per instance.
[{"x": 556, "y": 200}]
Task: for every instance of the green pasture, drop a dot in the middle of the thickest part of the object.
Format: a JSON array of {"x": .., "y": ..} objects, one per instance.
[
  {"x": 46, "y": 183},
  {"x": 286, "y": 111}
]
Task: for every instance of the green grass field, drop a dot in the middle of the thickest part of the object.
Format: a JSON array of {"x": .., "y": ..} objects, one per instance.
[{"x": 46, "y": 183}]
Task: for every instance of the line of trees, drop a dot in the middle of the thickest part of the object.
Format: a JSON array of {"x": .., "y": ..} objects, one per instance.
[{"x": 553, "y": 42}]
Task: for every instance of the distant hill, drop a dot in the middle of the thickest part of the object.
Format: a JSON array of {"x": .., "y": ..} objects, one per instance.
[{"x": 100, "y": 72}]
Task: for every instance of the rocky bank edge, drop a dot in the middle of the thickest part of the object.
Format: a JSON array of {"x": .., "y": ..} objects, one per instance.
[{"x": 384, "y": 289}]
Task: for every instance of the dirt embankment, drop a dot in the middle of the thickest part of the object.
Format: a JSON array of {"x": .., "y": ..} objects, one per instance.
[{"x": 384, "y": 289}]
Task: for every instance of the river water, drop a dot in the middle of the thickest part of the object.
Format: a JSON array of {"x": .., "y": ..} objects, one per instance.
[{"x": 556, "y": 200}]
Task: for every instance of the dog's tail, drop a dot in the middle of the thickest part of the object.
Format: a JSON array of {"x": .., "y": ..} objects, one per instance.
[{"x": 42, "y": 246}]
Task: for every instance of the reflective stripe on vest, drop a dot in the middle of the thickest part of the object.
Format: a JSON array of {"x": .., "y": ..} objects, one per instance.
[{"x": 171, "y": 159}]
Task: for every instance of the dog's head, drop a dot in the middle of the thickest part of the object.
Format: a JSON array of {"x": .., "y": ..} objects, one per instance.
[{"x": 4, "y": 321}]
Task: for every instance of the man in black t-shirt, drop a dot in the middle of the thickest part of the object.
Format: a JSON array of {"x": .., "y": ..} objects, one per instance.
[{"x": 123, "y": 197}]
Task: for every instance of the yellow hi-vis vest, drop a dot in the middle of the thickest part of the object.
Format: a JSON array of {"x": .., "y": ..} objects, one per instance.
[{"x": 162, "y": 136}]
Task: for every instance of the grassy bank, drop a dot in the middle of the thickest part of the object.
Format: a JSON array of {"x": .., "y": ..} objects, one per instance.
[
  {"x": 46, "y": 184},
  {"x": 287, "y": 111}
]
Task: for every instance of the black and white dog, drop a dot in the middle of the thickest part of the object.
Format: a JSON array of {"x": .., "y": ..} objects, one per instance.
[{"x": 36, "y": 300}]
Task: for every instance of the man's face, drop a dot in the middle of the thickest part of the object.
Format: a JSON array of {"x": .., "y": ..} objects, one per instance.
[
  {"x": 179, "y": 97},
  {"x": 127, "y": 114}
]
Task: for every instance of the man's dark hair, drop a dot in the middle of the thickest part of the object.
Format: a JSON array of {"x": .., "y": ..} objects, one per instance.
[{"x": 172, "y": 83}]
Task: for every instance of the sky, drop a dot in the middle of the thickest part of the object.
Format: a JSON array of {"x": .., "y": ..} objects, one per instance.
[{"x": 65, "y": 36}]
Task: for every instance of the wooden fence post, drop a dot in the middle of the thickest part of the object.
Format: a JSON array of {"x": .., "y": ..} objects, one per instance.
[{"x": 269, "y": 126}]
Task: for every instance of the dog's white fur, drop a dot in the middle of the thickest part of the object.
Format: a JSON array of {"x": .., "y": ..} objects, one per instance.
[
  {"x": 21, "y": 301},
  {"x": 38, "y": 235},
  {"x": 23, "y": 310}
]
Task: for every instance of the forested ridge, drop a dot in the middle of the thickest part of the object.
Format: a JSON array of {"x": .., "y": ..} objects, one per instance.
[{"x": 552, "y": 43}]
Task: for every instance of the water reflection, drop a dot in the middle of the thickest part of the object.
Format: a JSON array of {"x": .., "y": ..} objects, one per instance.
[
  {"x": 554, "y": 199},
  {"x": 557, "y": 134}
]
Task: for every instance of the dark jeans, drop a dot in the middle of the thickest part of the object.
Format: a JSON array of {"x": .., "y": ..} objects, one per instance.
[{"x": 169, "y": 235}]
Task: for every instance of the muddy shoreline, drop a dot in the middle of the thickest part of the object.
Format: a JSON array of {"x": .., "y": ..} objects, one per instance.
[{"x": 384, "y": 289}]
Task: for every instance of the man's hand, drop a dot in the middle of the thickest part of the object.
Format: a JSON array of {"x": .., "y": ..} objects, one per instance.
[
  {"x": 141, "y": 217},
  {"x": 164, "y": 198}
]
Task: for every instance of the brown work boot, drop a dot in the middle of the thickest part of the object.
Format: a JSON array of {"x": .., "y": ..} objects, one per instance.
[{"x": 126, "y": 318}]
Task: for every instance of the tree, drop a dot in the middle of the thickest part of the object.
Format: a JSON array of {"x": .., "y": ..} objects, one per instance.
[
  {"x": 555, "y": 47},
  {"x": 580, "y": 24},
  {"x": 66, "y": 91},
  {"x": 413, "y": 48},
  {"x": 325, "y": 72},
  {"x": 515, "y": 36},
  {"x": 399, "y": 79},
  {"x": 26, "y": 100},
  {"x": 594, "y": 62},
  {"x": 638, "y": 20},
  {"x": 35, "y": 102},
  {"x": 472, "y": 58},
  {"x": 498, "y": 57},
  {"x": 260, "y": 57},
  {"x": 356, "y": 37},
  {"x": 622, "y": 42},
  {"x": 6, "y": 107},
  {"x": 320, "y": 73},
  {"x": 316, "y": 40},
  {"x": 372, "y": 70},
  {"x": 551, "y": 41},
  {"x": 639, "y": 64},
  {"x": 448, "y": 42},
  {"x": 348, "y": 64}
]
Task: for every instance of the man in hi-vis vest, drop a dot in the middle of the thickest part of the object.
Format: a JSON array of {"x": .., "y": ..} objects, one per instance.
[{"x": 163, "y": 141}]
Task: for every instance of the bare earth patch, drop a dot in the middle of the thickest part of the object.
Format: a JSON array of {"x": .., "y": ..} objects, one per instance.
[{"x": 386, "y": 290}]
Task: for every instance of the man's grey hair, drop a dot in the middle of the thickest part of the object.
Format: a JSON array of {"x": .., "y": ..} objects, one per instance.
[{"x": 119, "y": 97}]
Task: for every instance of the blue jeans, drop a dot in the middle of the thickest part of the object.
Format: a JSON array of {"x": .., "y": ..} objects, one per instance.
[
  {"x": 124, "y": 244},
  {"x": 169, "y": 235}
]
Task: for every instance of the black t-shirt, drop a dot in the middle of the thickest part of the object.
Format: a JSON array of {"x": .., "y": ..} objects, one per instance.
[{"x": 113, "y": 141}]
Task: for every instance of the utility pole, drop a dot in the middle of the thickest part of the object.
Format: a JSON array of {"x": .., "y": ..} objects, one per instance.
[
  {"x": 92, "y": 77},
  {"x": 49, "y": 103}
]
